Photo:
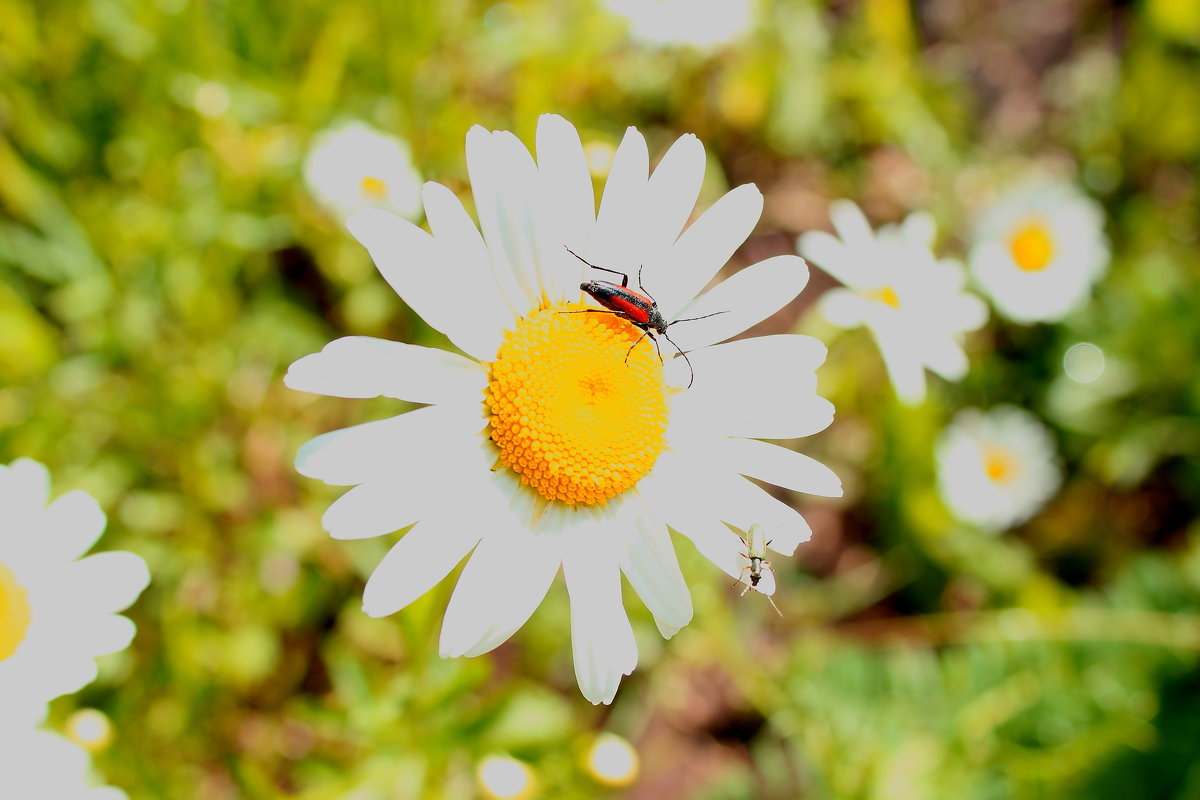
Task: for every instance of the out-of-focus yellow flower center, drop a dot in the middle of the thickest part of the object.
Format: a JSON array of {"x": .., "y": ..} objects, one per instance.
[
  {"x": 576, "y": 421},
  {"x": 885, "y": 295},
  {"x": 999, "y": 464},
  {"x": 1031, "y": 245},
  {"x": 373, "y": 188},
  {"x": 90, "y": 728},
  {"x": 14, "y": 613}
]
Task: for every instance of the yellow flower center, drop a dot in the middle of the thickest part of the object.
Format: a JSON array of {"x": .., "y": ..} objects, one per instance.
[
  {"x": 1031, "y": 246},
  {"x": 886, "y": 295},
  {"x": 999, "y": 464},
  {"x": 373, "y": 188},
  {"x": 571, "y": 416},
  {"x": 14, "y": 613}
]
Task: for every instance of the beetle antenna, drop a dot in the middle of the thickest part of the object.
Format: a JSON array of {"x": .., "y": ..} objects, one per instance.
[
  {"x": 692, "y": 379},
  {"x": 693, "y": 319}
]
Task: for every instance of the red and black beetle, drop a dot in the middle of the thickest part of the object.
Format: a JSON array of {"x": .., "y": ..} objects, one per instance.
[{"x": 639, "y": 308}]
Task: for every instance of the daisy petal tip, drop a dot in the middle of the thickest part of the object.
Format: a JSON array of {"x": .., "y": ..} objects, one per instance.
[
  {"x": 668, "y": 631},
  {"x": 376, "y": 606},
  {"x": 552, "y": 120},
  {"x": 376, "y": 611}
]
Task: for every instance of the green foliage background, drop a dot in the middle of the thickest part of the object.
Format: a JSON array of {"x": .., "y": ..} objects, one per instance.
[{"x": 162, "y": 264}]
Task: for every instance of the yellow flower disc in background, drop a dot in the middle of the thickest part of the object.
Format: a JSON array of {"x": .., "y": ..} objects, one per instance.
[{"x": 14, "y": 613}]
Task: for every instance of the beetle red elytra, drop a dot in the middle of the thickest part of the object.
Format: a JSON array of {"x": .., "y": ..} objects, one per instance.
[{"x": 638, "y": 308}]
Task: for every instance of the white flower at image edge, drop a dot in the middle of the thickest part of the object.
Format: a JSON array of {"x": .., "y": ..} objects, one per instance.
[
  {"x": 912, "y": 303},
  {"x": 39, "y": 765},
  {"x": 552, "y": 443},
  {"x": 58, "y": 609},
  {"x": 996, "y": 469},
  {"x": 1038, "y": 250},
  {"x": 354, "y": 166},
  {"x": 684, "y": 22}
]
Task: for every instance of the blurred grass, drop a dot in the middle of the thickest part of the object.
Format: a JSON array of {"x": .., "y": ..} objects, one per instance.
[{"x": 161, "y": 264}]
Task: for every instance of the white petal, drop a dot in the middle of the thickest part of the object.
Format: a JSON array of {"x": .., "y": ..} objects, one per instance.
[
  {"x": 412, "y": 264},
  {"x": 356, "y": 454},
  {"x": 844, "y": 308},
  {"x": 695, "y": 491},
  {"x": 601, "y": 637},
  {"x": 373, "y": 509},
  {"x": 905, "y": 370},
  {"x": 780, "y": 466},
  {"x": 828, "y": 253},
  {"x": 103, "y": 634},
  {"x": 467, "y": 269},
  {"x": 510, "y": 226},
  {"x": 850, "y": 223},
  {"x": 485, "y": 173},
  {"x": 70, "y": 525},
  {"x": 946, "y": 358},
  {"x": 705, "y": 247},
  {"x": 417, "y": 562},
  {"x": 919, "y": 230},
  {"x": 362, "y": 366},
  {"x": 967, "y": 313},
  {"x": 748, "y": 297},
  {"x": 109, "y": 581},
  {"x": 504, "y": 581},
  {"x": 763, "y": 387},
  {"x": 567, "y": 204},
  {"x": 614, "y": 241},
  {"x": 24, "y": 489},
  {"x": 653, "y": 570},
  {"x": 712, "y": 538},
  {"x": 671, "y": 194}
]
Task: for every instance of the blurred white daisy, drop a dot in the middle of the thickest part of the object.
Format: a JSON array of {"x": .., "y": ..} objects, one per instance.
[
  {"x": 703, "y": 24},
  {"x": 57, "y": 608},
  {"x": 552, "y": 442},
  {"x": 913, "y": 304},
  {"x": 39, "y": 765},
  {"x": 996, "y": 469},
  {"x": 612, "y": 760},
  {"x": 1038, "y": 250},
  {"x": 502, "y": 777},
  {"x": 354, "y": 166}
]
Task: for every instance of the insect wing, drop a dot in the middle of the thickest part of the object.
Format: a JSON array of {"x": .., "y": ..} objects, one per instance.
[
  {"x": 756, "y": 542},
  {"x": 623, "y": 301}
]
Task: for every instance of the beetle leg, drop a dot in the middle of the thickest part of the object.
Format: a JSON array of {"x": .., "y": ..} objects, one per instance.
[
  {"x": 639, "y": 341},
  {"x": 624, "y": 277},
  {"x": 620, "y": 314}
]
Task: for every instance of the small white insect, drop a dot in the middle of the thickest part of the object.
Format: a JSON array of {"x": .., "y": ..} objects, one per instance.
[{"x": 756, "y": 551}]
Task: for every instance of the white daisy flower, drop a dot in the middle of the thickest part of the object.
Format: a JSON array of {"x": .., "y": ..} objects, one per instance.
[
  {"x": 58, "y": 609},
  {"x": 913, "y": 304},
  {"x": 996, "y": 469},
  {"x": 704, "y": 24},
  {"x": 555, "y": 440},
  {"x": 39, "y": 765},
  {"x": 354, "y": 166},
  {"x": 1038, "y": 250}
]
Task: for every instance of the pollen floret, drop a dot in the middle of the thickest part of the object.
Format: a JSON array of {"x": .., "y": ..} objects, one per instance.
[{"x": 569, "y": 414}]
